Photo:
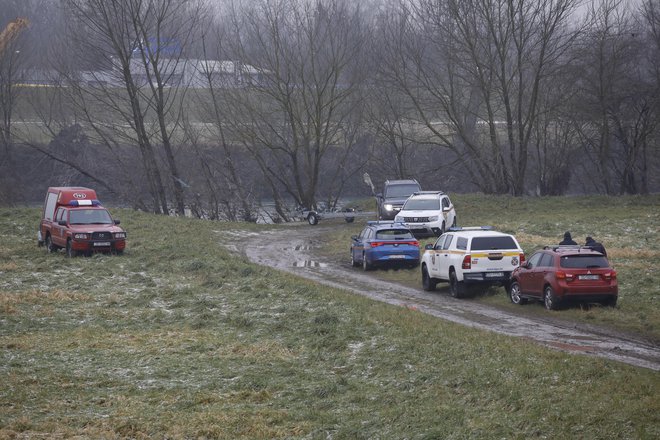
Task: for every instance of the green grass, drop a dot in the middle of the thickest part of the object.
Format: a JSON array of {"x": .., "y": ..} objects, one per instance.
[
  {"x": 180, "y": 339},
  {"x": 627, "y": 226}
]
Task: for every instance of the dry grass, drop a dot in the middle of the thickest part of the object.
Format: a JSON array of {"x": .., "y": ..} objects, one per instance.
[{"x": 180, "y": 339}]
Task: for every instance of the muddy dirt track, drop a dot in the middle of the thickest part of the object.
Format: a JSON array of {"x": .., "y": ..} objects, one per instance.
[{"x": 295, "y": 250}]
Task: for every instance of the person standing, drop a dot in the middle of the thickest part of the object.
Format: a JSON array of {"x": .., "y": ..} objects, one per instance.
[
  {"x": 595, "y": 246},
  {"x": 568, "y": 240}
]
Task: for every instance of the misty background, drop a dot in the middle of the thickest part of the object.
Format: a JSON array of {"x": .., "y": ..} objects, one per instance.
[{"x": 213, "y": 107}]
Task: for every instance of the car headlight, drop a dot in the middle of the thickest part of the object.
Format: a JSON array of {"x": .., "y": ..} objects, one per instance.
[
  {"x": 388, "y": 207},
  {"x": 433, "y": 219},
  {"x": 80, "y": 236},
  {"x": 120, "y": 234}
]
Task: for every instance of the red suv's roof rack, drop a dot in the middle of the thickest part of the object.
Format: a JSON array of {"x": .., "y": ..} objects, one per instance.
[{"x": 567, "y": 247}]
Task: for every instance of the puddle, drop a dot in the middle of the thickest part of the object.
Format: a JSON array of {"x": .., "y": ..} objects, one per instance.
[{"x": 308, "y": 263}]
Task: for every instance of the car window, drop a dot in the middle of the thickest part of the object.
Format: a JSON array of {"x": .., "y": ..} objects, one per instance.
[
  {"x": 439, "y": 241},
  {"x": 394, "y": 234},
  {"x": 447, "y": 242},
  {"x": 401, "y": 190},
  {"x": 583, "y": 261},
  {"x": 89, "y": 217},
  {"x": 535, "y": 260},
  {"x": 445, "y": 202},
  {"x": 546, "y": 260},
  {"x": 491, "y": 243},
  {"x": 461, "y": 243},
  {"x": 363, "y": 234},
  {"x": 422, "y": 205},
  {"x": 59, "y": 215}
]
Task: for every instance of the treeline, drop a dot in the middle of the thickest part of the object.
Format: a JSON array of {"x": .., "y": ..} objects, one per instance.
[{"x": 294, "y": 100}]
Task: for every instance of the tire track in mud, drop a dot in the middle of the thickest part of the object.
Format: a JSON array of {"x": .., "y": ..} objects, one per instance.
[{"x": 293, "y": 250}]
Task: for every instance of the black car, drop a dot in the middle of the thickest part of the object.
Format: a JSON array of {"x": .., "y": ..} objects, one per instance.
[{"x": 394, "y": 195}]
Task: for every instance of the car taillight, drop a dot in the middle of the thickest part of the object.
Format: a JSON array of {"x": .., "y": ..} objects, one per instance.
[
  {"x": 561, "y": 275},
  {"x": 610, "y": 275},
  {"x": 467, "y": 262},
  {"x": 382, "y": 243}
]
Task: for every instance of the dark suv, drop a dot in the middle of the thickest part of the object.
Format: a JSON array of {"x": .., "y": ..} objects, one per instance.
[
  {"x": 394, "y": 195},
  {"x": 560, "y": 274}
]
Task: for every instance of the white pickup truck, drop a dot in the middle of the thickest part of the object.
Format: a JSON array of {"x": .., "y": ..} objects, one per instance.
[{"x": 477, "y": 257}]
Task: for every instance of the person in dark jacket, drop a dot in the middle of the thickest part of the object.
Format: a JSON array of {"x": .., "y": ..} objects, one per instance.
[
  {"x": 595, "y": 246},
  {"x": 568, "y": 240}
]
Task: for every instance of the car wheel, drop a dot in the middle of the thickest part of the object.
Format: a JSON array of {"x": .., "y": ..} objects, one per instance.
[
  {"x": 550, "y": 299},
  {"x": 354, "y": 262},
  {"x": 514, "y": 294},
  {"x": 312, "y": 219},
  {"x": 365, "y": 264},
  {"x": 69, "y": 249},
  {"x": 456, "y": 287},
  {"x": 49, "y": 245},
  {"x": 428, "y": 283}
]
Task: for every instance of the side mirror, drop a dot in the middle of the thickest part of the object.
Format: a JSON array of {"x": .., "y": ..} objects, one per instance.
[
  {"x": 117, "y": 221},
  {"x": 428, "y": 247}
]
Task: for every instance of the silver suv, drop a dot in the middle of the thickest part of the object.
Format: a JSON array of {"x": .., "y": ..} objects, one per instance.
[{"x": 427, "y": 213}]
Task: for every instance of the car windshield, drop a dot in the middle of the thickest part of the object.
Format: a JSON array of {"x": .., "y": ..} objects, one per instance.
[
  {"x": 583, "y": 262},
  {"x": 492, "y": 243},
  {"x": 401, "y": 190},
  {"x": 394, "y": 234},
  {"x": 90, "y": 217},
  {"x": 422, "y": 205}
]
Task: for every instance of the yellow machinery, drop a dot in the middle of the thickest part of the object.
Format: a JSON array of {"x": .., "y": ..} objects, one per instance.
[{"x": 11, "y": 31}]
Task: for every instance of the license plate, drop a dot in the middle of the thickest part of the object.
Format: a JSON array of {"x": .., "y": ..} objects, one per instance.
[
  {"x": 494, "y": 274},
  {"x": 396, "y": 257},
  {"x": 102, "y": 243},
  {"x": 588, "y": 277}
]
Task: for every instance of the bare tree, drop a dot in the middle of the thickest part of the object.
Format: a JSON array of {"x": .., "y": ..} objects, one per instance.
[
  {"x": 616, "y": 98},
  {"x": 138, "y": 46},
  {"x": 474, "y": 71},
  {"x": 12, "y": 66},
  {"x": 302, "y": 91}
]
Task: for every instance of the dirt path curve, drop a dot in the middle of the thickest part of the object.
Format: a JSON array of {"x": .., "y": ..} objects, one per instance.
[{"x": 293, "y": 250}]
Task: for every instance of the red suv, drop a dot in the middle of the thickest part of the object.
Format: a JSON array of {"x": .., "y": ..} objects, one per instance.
[
  {"x": 74, "y": 219},
  {"x": 560, "y": 274}
]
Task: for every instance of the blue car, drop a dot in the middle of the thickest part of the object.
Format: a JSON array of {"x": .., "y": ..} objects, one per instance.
[{"x": 384, "y": 244}]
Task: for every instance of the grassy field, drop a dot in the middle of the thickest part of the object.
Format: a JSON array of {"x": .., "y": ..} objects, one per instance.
[
  {"x": 179, "y": 338},
  {"x": 627, "y": 226}
]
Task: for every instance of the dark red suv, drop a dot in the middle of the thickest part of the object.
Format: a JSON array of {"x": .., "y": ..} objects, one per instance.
[{"x": 560, "y": 274}]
